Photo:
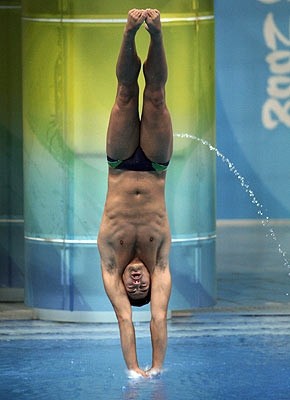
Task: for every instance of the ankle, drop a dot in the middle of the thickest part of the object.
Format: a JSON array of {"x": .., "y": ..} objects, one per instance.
[
  {"x": 130, "y": 32},
  {"x": 156, "y": 36}
]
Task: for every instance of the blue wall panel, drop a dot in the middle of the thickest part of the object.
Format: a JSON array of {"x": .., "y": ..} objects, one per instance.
[{"x": 253, "y": 105}]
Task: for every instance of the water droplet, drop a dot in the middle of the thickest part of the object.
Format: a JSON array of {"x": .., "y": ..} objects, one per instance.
[{"x": 266, "y": 220}]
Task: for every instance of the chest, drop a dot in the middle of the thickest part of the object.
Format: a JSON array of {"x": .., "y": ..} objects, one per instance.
[{"x": 139, "y": 242}]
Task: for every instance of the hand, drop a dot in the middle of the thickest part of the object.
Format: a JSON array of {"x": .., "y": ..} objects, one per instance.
[
  {"x": 153, "y": 372},
  {"x": 137, "y": 373}
]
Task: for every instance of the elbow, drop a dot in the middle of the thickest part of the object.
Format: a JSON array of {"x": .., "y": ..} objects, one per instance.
[
  {"x": 124, "y": 318},
  {"x": 159, "y": 319}
]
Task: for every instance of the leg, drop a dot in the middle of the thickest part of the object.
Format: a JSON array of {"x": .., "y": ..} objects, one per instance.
[
  {"x": 156, "y": 129},
  {"x": 123, "y": 134}
]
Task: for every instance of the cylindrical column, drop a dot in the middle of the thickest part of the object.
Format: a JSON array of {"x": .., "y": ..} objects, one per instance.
[
  {"x": 69, "y": 55},
  {"x": 191, "y": 179},
  {"x": 11, "y": 169}
]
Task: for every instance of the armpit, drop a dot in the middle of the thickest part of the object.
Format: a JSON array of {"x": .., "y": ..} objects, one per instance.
[
  {"x": 110, "y": 267},
  {"x": 162, "y": 264}
]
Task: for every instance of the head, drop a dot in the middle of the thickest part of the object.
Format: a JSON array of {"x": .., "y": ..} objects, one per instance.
[{"x": 136, "y": 279}]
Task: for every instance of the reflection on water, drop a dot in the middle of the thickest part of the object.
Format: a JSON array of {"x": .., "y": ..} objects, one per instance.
[{"x": 149, "y": 389}]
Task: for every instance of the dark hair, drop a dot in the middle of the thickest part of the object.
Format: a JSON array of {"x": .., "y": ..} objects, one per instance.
[{"x": 141, "y": 302}]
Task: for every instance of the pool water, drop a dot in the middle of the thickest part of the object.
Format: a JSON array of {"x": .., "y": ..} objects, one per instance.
[{"x": 246, "y": 361}]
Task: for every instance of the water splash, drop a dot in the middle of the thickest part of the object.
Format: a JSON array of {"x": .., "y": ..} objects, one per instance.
[{"x": 265, "y": 219}]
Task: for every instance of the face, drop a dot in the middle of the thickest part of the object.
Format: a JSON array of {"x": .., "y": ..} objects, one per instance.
[{"x": 136, "y": 280}]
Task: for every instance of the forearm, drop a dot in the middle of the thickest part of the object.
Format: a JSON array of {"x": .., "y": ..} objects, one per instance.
[
  {"x": 159, "y": 341},
  {"x": 128, "y": 343},
  {"x": 119, "y": 299}
]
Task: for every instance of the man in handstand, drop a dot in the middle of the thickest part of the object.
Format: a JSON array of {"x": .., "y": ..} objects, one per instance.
[{"x": 134, "y": 238}]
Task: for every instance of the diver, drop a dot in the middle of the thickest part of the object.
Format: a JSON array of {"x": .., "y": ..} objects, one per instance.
[{"x": 134, "y": 237}]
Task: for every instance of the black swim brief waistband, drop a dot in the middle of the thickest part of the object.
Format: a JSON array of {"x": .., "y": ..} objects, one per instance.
[{"x": 137, "y": 162}]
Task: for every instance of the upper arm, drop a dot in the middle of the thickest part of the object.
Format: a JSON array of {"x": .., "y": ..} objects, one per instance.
[{"x": 160, "y": 291}]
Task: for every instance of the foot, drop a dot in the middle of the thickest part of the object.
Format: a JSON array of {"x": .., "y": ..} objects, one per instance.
[
  {"x": 135, "y": 19},
  {"x": 153, "y": 23}
]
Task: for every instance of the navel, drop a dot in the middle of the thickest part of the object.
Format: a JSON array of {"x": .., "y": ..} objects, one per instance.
[
  {"x": 151, "y": 239},
  {"x": 121, "y": 242}
]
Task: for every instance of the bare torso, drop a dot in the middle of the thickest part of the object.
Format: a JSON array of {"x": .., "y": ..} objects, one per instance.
[{"x": 135, "y": 223}]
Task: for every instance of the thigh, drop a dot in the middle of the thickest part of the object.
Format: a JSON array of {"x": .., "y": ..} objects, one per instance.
[
  {"x": 123, "y": 133},
  {"x": 156, "y": 138}
]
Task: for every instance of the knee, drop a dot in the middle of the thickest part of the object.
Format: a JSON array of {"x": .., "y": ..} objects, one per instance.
[
  {"x": 127, "y": 94},
  {"x": 156, "y": 97}
]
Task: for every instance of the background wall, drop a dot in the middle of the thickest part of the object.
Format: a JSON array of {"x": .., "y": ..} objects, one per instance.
[
  {"x": 253, "y": 105},
  {"x": 11, "y": 177},
  {"x": 253, "y": 118}
]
